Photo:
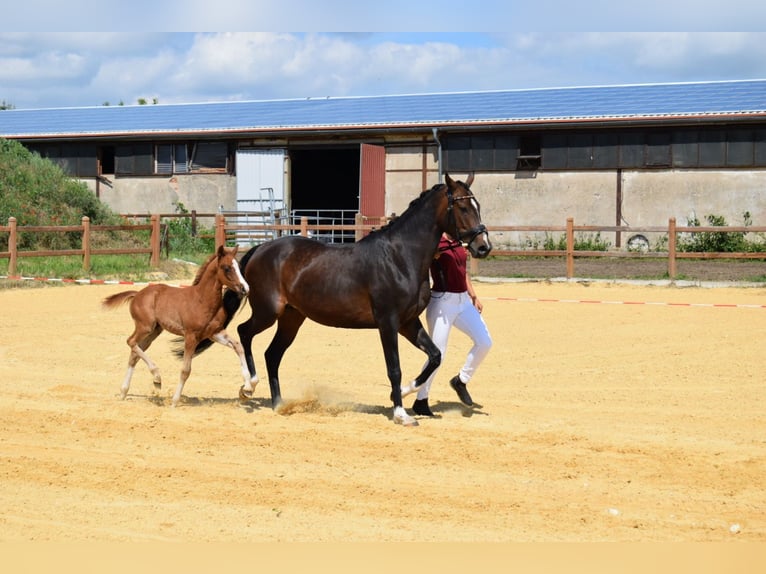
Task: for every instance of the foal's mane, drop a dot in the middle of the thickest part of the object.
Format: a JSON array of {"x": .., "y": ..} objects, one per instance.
[{"x": 202, "y": 269}]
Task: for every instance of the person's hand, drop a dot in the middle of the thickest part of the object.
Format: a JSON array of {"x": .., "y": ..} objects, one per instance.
[{"x": 477, "y": 303}]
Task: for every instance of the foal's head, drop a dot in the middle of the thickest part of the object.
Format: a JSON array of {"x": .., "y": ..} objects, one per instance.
[
  {"x": 464, "y": 217},
  {"x": 228, "y": 270}
]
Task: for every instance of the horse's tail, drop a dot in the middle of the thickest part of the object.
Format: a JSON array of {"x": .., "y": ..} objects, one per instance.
[
  {"x": 232, "y": 302},
  {"x": 118, "y": 299}
]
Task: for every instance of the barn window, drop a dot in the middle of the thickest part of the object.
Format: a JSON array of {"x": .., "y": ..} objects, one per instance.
[
  {"x": 529, "y": 153},
  {"x": 481, "y": 152},
  {"x": 739, "y": 148},
  {"x": 631, "y": 149},
  {"x": 172, "y": 158},
  {"x": 606, "y": 150},
  {"x": 209, "y": 156},
  {"x": 759, "y": 145},
  {"x": 658, "y": 149},
  {"x": 580, "y": 151},
  {"x": 685, "y": 149},
  {"x": 554, "y": 151},
  {"x": 134, "y": 159},
  {"x": 712, "y": 149}
]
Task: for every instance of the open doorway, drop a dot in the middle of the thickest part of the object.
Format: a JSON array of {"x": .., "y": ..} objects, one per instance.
[{"x": 324, "y": 187}]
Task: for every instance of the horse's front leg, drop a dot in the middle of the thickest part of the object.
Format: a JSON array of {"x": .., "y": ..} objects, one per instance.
[
  {"x": 388, "y": 338},
  {"x": 246, "y": 333},
  {"x": 246, "y": 391},
  {"x": 416, "y": 334}
]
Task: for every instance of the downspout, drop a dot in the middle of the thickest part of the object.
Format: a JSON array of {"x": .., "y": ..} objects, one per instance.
[{"x": 439, "y": 153}]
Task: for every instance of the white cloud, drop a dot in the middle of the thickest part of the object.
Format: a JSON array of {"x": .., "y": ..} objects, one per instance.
[{"x": 50, "y": 70}]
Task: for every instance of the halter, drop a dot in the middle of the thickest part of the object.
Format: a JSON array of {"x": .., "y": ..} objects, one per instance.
[{"x": 474, "y": 232}]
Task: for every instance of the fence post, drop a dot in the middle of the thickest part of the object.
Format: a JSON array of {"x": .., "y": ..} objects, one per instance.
[
  {"x": 220, "y": 230},
  {"x": 12, "y": 247},
  {"x": 358, "y": 222},
  {"x": 570, "y": 247},
  {"x": 672, "y": 248},
  {"x": 86, "y": 243},
  {"x": 305, "y": 226},
  {"x": 155, "y": 241},
  {"x": 194, "y": 223}
]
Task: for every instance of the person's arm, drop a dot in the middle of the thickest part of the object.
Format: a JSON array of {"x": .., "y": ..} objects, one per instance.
[{"x": 472, "y": 293}]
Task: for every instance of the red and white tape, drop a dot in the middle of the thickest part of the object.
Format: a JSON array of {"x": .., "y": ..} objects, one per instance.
[
  {"x": 606, "y": 302},
  {"x": 78, "y": 281}
]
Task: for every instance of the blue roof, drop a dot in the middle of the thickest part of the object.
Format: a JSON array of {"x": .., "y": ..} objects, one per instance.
[{"x": 743, "y": 98}]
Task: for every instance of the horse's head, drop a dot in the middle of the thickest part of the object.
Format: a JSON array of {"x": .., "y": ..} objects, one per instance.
[
  {"x": 464, "y": 217},
  {"x": 229, "y": 273}
]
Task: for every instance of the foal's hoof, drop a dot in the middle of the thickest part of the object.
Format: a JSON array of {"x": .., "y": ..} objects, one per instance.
[{"x": 245, "y": 395}]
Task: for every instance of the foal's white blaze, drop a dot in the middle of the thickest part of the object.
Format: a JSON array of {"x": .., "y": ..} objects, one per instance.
[{"x": 240, "y": 277}]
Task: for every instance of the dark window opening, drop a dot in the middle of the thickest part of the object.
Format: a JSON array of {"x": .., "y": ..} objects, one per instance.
[
  {"x": 529, "y": 153},
  {"x": 106, "y": 159}
]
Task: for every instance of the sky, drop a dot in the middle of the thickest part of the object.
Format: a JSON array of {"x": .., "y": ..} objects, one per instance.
[{"x": 494, "y": 45}]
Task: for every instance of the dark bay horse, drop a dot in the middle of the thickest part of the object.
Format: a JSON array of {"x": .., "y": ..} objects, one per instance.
[
  {"x": 378, "y": 282},
  {"x": 195, "y": 312}
]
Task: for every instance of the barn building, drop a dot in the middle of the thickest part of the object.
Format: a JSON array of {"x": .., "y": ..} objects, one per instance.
[{"x": 633, "y": 155}]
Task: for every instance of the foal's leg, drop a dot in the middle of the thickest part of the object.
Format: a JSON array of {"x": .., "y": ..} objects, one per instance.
[
  {"x": 190, "y": 344},
  {"x": 138, "y": 342},
  {"x": 246, "y": 392}
]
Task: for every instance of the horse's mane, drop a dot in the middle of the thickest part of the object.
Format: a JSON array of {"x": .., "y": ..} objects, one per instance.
[
  {"x": 412, "y": 204},
  {"x": 202, "y": 269}
]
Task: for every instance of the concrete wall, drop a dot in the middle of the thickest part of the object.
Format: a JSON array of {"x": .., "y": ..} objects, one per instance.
[{"x": 203, "y": 192}]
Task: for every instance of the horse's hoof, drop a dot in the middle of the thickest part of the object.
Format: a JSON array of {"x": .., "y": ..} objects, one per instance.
[
  {"x": 245, "y": 395},
  {"x": 158, "y": 385},
  {"x": 402, "y": 418}
]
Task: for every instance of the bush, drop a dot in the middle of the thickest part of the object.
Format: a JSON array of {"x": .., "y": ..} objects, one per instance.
[
  {"x": 36, "y": 191},
  {"x": 720, "y": 241}
]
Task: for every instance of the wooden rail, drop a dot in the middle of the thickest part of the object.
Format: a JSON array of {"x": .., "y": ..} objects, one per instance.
[
  {"x": 87, "y": 250},
  {"x": 225, "y": 232}
]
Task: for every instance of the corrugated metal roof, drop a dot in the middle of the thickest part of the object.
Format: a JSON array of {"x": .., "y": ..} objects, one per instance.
[{"x": 622, "y": 102}]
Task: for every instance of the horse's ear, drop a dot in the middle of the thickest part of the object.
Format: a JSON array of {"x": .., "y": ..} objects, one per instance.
[
  {"x": 469, "y": 181},
  {"x": 221, "y": 251},
  {"x": 449, "y": 180}
]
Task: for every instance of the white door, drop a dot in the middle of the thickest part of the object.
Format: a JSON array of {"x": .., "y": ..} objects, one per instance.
[
  {"x": 260, "y": 193},
  {"x": 260, "y": 179}
]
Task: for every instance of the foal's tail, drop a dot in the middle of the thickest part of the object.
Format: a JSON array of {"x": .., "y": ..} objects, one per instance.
[
  {"x": 232, "y": 302},
  {"x": 118, "y": 299}
]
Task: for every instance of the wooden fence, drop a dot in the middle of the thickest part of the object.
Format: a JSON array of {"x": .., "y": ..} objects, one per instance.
[
  {"x": 87, "y": 249},
  {"x": 226, "y": 233}
]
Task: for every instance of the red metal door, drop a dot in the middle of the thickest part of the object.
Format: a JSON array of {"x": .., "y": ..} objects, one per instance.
[{"x": 372, "y": 181}]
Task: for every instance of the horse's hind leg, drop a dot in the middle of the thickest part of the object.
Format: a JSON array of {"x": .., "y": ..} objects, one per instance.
[
  {"x": 287, "y": 328},
  {"x": 246, "y": 392},
  {"x": 247, "y": 331},
  {"x": 416, "y": 334}
]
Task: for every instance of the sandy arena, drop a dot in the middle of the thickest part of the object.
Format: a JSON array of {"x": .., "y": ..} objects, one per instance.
[{"x": 595, "y": 421}]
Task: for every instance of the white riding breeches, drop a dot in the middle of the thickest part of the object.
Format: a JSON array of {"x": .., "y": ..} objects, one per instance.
[{"x": 446, "y": 310}]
